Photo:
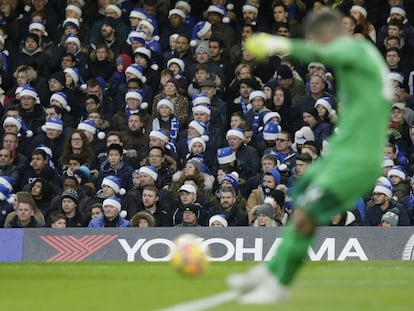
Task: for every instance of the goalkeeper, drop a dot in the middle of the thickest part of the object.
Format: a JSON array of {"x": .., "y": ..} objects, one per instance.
[{"x": 329, "y": 186}]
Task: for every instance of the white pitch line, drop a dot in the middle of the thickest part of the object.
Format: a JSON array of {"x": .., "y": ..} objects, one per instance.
[{"x": 205, "y": 303}]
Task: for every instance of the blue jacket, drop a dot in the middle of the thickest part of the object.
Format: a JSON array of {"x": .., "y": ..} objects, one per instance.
[
  {"x": 100, "y": 222},
  {"x": 124, "y": 172}
]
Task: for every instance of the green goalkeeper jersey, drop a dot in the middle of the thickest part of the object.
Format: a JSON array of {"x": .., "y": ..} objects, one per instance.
[{"x": 354, "y": 154}]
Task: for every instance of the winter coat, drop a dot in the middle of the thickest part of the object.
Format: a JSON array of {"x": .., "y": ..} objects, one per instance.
[
  {"x": 76, "y": 221},
  {"x": 249, "y": 156},
  {"x": 256, "y": 197},
  {"x": 120, "y": 121},
  {"x": 177, "y": 214},
  {"x": 136, "y": 140},
  {"x": 124, "y": 172},
  {"x": 165, "y": 172},
  {"x": 322, "y": 131},
  {"x": 102, "y": 222},
  {"x": 236, "y": 216},
  {"x": 374, "y": 214},
  {"x": 38, "y": 60},
  {"x": 54, "y": 144},
  {"x": 11, "y": 171},
  {"x": 401, "y": 190},
  {"x": 133, "y": 204},
  {"x": 103, "y": 69},
  {"x": 33, "y": 119},
  {"x": 84, "y": 204},
  {"x": 14, "y": 223}
]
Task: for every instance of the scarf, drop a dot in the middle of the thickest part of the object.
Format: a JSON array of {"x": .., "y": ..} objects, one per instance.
[{"x": 174, "y": 127}]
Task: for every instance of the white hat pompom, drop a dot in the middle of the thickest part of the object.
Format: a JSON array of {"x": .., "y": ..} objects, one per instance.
[
  {"x": 283, "y": 167},
  {"x": 205, "y": 138},
  {"x": 230, "y": 6},
  {"x": 101, "y": 135},
  {"x": 29, "y": 133},
  {"x": 226, "y": 20},
  {"x": 144, "y": 105},
  {"x": 193, "y": 43},
  {"x": 123, "y": 213},
  {"x": 122, "y": 191}
]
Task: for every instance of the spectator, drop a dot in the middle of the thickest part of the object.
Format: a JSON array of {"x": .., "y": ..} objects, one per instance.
[
  {"x": 96, "y": 210},
  {"x": 24, "y": 217},
  {"x": 39, "y": 167},
  {"x": 58, "y": 220},
  {"x": 400, "y": 186},
  {"x": 93, "y": 135},
  {"x": 165, "y": 166},
  {"x": 382, "y": 202},
  {"x": 143, "y": 177},
  {"x": 143, "y": 219},
  {"x": 111, "y": 217},
  {"x": 177, "y": 25},
  {"x": 32, "y": 55},
  {"x": 390, "y": 218},
  {"x": 216, "y": 15},
  {"x": 135, "y": 137},
  {"x": 218, "y": 221},
  {"x": 362, "y": 24},
  {"x": 247, "y": 155},
  {"x": 134, "y": 104},
  {"x": 264, "y": 216},
  {"x": 286, "y": 80},
  {"x": 234, "y": 214},
  {"x": 7, "y": 168},
  {"x": 69, "y": 206},
  {"x": 283, "y": 150},
  {"x": 281, "y": 15},
  {"x": 115, "y": 166},
  {"x": 321, "y": 129},
  {"x": 270, "y": 180},
  {"x": 190, "y": 216}
]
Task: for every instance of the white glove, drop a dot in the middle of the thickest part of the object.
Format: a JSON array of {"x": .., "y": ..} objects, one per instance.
[{"x": 263, "y": 45}]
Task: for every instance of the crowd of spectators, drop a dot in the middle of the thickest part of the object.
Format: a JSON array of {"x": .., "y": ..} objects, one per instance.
[{"x": 151, "y": 114}]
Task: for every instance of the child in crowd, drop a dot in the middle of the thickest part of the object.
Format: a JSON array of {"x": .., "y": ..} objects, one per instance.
[
  {"x": 122, "y": 62},
  {"x": 218, "y": 221},
  {"x": 143, "y": 219},
  {"x": 57, "y": 220},
  {"x": 177, "y": 67},
  {"x": 166, "y": 119},
  {"x": 96, "y": 210}
]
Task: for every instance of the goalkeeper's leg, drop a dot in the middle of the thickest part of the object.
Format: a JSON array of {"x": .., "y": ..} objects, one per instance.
[{"x": 268, "y": 283}]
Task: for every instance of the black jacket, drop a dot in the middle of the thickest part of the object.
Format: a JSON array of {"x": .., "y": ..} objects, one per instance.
[{"x": 374, "y": 214}]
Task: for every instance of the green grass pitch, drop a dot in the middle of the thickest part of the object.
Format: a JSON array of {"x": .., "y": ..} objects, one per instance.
[{"x": 351, "y": 285}]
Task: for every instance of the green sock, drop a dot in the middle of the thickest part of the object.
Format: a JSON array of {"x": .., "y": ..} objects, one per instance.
[{"x": 289, "y": 256}]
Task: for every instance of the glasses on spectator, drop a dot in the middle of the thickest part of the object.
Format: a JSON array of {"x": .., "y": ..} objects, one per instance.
[{"x": 281, "y": 140}]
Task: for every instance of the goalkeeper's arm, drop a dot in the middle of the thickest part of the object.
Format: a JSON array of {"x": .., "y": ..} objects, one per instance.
[{"x": 263, "y": 45}]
